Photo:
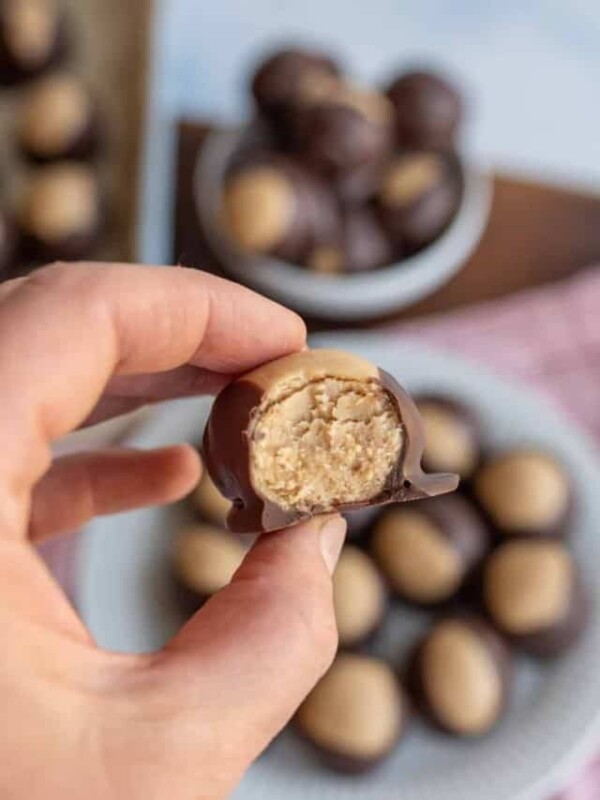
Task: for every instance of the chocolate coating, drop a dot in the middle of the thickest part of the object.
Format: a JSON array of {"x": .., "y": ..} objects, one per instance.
[
  {"x": 364, "y": 246},
  {"x": 525, "y": 492},
  {"x": 61, "y": 215},
  {"x": 33, "y": 39},
  {"x": 428, "y": 551},
  {"x": 59, "y": 121},
  {"x": 534, "y": 595},
  {"x": 460, "y": 676},
  {"x": 8, "y": 245},
  {"x": 418, "y": 197},
  {"x": 428, "y": 111},
  {"x": 452, "y": 435},
  {"x": 231, "y": 447},
  {"x": 287, "y": 78},
  {"x": 347, "y": 132},
  {"x": 356, "y": 715},
  {"x": 360, "y": 522},
  {"x": 271, "y": 206}
]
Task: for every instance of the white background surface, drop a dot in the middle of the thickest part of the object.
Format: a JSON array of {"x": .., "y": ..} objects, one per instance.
[{"x": 531, "y": 69}]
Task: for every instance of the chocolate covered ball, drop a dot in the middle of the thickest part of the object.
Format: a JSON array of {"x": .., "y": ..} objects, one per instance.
[
  {"x": 290, "y": 77},
  {"x": 273, "y": 207},
  {"x": 428, "y": 111},
  {"x": 209, "y": 502},
  {"x": 427, "y": 550},
  {"x": 452, "y": 435},
  {"x": 418, "y": 197},
  {"x": 533, "y": 594},
  {"x": 60, "y": 218},
  {"x": 33, "y": 39},
  {"x": 204, "y": 560},
  {"x": 311, "y": 433},
  {"x": 58, "y": 121},
  {"x": 525, "y": 493},
  {"x": 364, "y": 245},
  {"x": 356, "y": 714},
  {"x": 460, "y": 676},
  {"x": 347, "y": 131},
  {"x": 359, "y": 597}
]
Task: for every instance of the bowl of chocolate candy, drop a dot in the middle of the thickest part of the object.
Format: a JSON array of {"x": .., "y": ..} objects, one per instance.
[{"x": 343, "y": 201}]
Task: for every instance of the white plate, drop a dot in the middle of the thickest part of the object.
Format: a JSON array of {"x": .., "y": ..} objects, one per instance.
[
  {"x": 347, "y": 297},
  {"x": 554, "y": 722}
]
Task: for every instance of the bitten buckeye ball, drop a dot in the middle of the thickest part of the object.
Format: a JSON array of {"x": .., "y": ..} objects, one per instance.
[
  {"x": 58, "y": 121},
  {"x": 61, "y": 215},
  {"x": 33, "y": 38},
  {"x": 460, "y": 676},
  {"x": 533, "y": 594},
  {"x": 311, "y": 433},
  {"x": 356, "y": 715}
]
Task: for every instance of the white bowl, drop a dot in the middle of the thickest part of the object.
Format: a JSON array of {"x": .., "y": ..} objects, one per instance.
[
  {"x": 346, "y": 297},
  {"x": 552, "y": 723}
]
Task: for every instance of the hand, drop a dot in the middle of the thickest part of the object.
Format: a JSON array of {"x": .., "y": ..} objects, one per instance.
[{"x": 81, "y": 343}]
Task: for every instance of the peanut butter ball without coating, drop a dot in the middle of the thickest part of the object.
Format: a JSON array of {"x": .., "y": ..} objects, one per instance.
[
  {"x": 204, "y": 560},
  {"x": 311, "y": 433},
  {"x": 533, "y": 594},
  {"x": 33, "y": 39},
  {"x": 210, "y": 504},
  {"x": 428, "y": 111},
  {"x": 359, "y": 598},
  {"x": 525, "y": 493},
  {"x": 356, "y": 715},
  {"x": 291, "y": 77},
  {"x": 428, "y": 550},
  {"x": 452, "y": 435},
  {"x": 58, "y": 121},
  {"x": 273, "y": 207},
  {"x": 61, "y": 217},
  {"x": 418, "y": 197},
  {"x": 460, "y": 676}
]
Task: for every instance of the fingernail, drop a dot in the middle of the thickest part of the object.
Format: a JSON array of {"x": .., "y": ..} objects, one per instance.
[{"x": 333, "y": 533}]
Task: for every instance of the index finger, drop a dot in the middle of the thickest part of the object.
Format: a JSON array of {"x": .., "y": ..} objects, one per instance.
[{"x": 66, "y": 330}]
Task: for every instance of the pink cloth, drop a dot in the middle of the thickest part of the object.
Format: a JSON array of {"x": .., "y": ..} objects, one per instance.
[{"x": 549, "y": 337}]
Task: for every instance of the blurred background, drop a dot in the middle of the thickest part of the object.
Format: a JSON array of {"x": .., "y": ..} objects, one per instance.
[{"x": 443, "y": 165}]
